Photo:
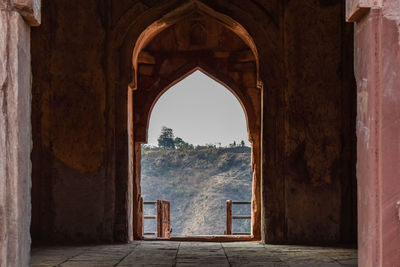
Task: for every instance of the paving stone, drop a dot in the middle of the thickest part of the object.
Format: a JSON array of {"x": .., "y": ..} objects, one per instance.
[{"x": 181, "y": 254}]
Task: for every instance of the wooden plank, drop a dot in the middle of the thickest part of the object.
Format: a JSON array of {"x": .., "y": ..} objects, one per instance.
[
  {"x": 241, "y": 202},
  {"x": 241, "y": 217},
  {"x": 228, "y": 217},
  {"x": 140, "y": 227},
  {"x": 166, "y": 219},
  {"x": 150, "y": 203},
  {"x": 163, "y": 219},
  {"x": 159, "y": 218},
  {"x": 239, "y": 233}
]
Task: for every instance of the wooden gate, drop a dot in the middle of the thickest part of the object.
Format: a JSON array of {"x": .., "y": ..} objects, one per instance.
[{"x": 163, "y": 219}]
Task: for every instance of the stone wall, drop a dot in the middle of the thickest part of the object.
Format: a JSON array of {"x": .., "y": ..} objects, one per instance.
[
  {"x": 80, "y": 157},
  {"x": 16, "y": 17},
  {"x": 82, "y": 64},
  {"x": 69, "y": 124},
  {"x": 377, "y": 72},
  {"x": 309, "y": 185},
  {"x": 319, "y": 108}
]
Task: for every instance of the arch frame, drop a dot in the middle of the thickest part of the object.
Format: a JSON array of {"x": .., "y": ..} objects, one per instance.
[
  {"x": 121, "y": 163},
  {"x": 254, "y": 125}
]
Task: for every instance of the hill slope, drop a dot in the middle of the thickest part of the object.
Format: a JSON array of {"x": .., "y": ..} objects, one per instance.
[{"x": 197, "y": 183}]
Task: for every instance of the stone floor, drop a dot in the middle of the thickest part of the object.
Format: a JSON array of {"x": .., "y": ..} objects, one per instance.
[{"x": 163, "y": 253}]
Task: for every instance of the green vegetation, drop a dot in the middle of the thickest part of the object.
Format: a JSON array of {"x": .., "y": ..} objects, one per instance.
[
  {"x": 166, "y": 139},
  {"x": 197, "y": 181}
]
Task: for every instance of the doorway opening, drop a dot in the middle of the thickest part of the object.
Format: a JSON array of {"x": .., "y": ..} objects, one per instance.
[
  {"x": 196, "y": 38},
  {"x": 201, "y": 165},
  {"x": 308, "y": 152}
]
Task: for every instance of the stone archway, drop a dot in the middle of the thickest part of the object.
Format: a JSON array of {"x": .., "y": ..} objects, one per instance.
[
  {"x": 307, "y": 137},
  {"x": 275, "y": 28},
  {"x": 291, "y": 90},
  {"x": 169, "y": 50}
]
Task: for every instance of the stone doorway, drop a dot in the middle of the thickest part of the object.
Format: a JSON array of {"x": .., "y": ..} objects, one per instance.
[
  {"x": 303, "y": 139},
  {"x": 80, "y": 190},
  {"x": 171, "y": 48}
]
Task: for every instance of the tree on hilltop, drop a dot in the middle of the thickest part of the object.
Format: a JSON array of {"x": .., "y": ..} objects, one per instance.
[{"x": 166, "y": 139}]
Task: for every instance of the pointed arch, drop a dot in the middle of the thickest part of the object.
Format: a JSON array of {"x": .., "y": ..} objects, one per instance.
[
  {"x": 151, "y": 78},
  {"x": 179, "y": 14}
]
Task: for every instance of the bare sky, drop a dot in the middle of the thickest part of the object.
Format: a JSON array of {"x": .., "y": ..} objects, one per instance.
[{"x": 200, "y": 111}]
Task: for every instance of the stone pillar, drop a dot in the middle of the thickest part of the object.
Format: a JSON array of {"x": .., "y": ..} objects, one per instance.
[
  {"x": 377, "y": 71},
  {"x": 16, "y": 17}
]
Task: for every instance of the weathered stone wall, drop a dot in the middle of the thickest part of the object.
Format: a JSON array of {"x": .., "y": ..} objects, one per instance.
[
  {"x": 69, "y": 132},
  {"x": 82, "y": 64},
  {"x": 319, "y": 108},
  {"x": 377, "y": 65},
  {"x": 16, "y": 17},
  {"x": 309, "y": 185}
]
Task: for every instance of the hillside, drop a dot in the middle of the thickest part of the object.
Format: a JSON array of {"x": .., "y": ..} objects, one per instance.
[{"x": 198, "y": 182}]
